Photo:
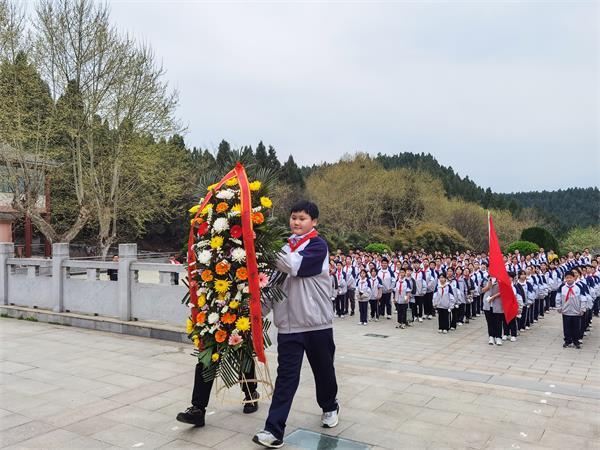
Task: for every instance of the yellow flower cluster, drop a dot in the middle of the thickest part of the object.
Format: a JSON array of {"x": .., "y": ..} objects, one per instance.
[
  {"x": 243, "y": 324},
  {"x": 266, "y": 202},
  {"x": 231, "y": 182},
  {"x": 222, "y": 286},
  {"x": 216, "y": 242},
  {"x": 255, "y": 186}
]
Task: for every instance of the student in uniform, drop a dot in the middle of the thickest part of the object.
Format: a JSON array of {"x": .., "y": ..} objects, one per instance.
[
  {"x": 454, "y": 286},
  {"x": 402, "y": 296},
  {"x": 342, "y": 287},
  {"x": 569, "y": 304},
  {"x": 526, "y": 291},
  {"x": 304, "y": 323},
  {"x": 431, "y": 277},
  {"x": 443, "y": 300},
  {"x": 386, "y": 277},
  {"x": 469, "y": 288},
  {"x": 419, "y": 275},
  {"x": 375, "y": 295},
  {"x": 350, "y": 273},
  {"x": 494, "y": 313},
  {"x": 461, "y": 288},
  {"x": 510, "y": 328},
  {"x": 363, "y": 295}
]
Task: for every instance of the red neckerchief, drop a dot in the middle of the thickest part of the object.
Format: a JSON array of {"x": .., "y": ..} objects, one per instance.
[
  {"x": 569, "y": 292},
  {"x": 294, "y": 246}
]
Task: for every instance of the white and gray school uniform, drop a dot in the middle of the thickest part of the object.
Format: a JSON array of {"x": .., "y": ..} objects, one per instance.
[
  {"x": 443, "y": 297},
  {"x": 457, "y": 292},
  {"x": 569, "y": 300},
  {"x": 363, "y": 290},
  {"x": 496, "y": 304},
  {"x": 342, "y": 286},
  {"x": 420, "y": 280},
  {"x": 375, "y": 285},
  {"x": 403, "y": 291},
  {"x": 350, "y": 274},
  {"x": 387, "y": 280}
]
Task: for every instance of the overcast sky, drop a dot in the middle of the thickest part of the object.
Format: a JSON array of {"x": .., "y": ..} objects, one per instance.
[{"x": 505, "y": 92}]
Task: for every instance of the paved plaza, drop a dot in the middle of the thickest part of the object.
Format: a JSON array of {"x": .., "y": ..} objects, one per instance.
[{"x": 64, "y": 387}]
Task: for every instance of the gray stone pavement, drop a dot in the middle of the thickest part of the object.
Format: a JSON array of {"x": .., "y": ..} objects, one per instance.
[{"x": 64, "y": 387}]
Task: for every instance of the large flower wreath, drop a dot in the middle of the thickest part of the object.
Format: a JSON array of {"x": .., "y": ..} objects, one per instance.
[{"x": 232, "y": 247}]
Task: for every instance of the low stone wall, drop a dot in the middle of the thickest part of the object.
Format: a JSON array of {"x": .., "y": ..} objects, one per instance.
[{"x": 39, "y": 283}]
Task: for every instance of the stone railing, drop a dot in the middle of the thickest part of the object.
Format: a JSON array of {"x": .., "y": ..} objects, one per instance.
[{"x": 62, "y": 284}]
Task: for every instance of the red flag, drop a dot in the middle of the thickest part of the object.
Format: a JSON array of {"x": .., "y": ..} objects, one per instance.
[{"x": 498, "y": 271}]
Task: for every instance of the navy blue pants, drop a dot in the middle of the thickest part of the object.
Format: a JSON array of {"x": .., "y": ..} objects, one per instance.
[
  {"x": 571, "y": 328},
  {"x": 320, "y": 351}
]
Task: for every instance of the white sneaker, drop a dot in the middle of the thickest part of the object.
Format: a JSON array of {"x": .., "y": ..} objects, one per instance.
[
  {"x": 420, "y": 319},
  {"x": 330, "y": 419},
  {"x": 527, "y": 328},
  {"x": 498, "y": 341},
  {"x": 342, "y": 316},
  {"x": 513, "y": 339},
  {"x": 452, "y": 328},
  {"x": 460, "y": 324},
  {"x": 376, "y": 320},
  {"x": 365, "y": 324},
  {"x": 266, "y": 439},
  {"x": 389, "y": 317},
  {"x": 439, "y": 331},
  {"x": 445, "y": 331},
  {"x": 491, "y": 341},
  {"x": 429, "y": 317},
  {"x": 504, "y": 337},
  {"x": 360, "y": 323}
]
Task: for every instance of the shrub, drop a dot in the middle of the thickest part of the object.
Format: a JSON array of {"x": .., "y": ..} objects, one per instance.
[
  {"x": 378, "y": 247},
  {"x": 579, "y": 238},
  {"x": 541, "y": 237},
  {"x": 434, "y": 237},
  {"x": 524, "y": 247}
]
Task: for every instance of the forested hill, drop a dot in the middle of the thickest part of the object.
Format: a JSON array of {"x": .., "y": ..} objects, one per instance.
[
  {"x": 570, "y": 207},
  {"x": 573, "y": 206}
]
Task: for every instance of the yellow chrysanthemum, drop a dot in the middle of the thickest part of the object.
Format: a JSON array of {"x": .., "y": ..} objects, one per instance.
[
  {"x": 194, "y": 209},
  {"x": 255, "y": 185},
  {"x": 196, "y": 341},
  {"x": 206, "y": 209},
  {"x": 211, "y": 187},
  {"x": 234, "y": 304},
  {"x": 236, "y": 208},
  {"x": 215, "y": 357},
  {"x": 201, "y": 301},
  {"x": 266, "y": 202},
  {"x": 216, "y": 242},
  {"x": 189, "y": 326},
  {"x": 231, "y": 182},
  {"x": 243, "y": 324},
  {"x": 222, "y": 286}
]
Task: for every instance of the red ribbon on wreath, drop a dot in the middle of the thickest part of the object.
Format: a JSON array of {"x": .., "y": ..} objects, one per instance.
[{"x": 251, "y": 264}]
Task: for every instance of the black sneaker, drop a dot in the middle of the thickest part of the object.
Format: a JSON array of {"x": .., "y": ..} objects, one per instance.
[
  {"x": 565, "y": 345},
  {"x": 577, "y": 346},
  {"x": 251, "y": 407},
  {"x": 193, "y": 416}
]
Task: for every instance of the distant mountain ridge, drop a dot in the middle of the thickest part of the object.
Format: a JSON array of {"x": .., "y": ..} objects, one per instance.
[{"x": 565, "y": 207}]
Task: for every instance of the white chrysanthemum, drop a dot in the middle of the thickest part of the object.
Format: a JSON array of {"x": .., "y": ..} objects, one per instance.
[
  {"x": 225, "y": 194},
  {"x": 213, "y": 317},
  {"x": 220, "y": 225},
  {"x": 224, "y": 309},
  {"x": 238, "y": 254},
  {"x": 236, "y": 241},
  {"x": 204, "y": 257}
]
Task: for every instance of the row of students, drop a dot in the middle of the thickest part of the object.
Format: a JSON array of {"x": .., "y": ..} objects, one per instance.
[{"x": 421, "y": 286}]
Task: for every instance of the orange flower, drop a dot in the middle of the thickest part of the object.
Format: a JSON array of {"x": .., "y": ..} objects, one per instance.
[
  {"x": 206, "y": 275},
  {"x": 258, "y": 218},
  {"x": 241, "y": 274},
  {"x": 222, "y": 268},
  {"x": 196, "y": 221},
  {"x": 220, "y": 336},
  {"x": 222, "y": 207},
  {"x": 201, "y": 317},
  {"x": 228, "y": 318}
]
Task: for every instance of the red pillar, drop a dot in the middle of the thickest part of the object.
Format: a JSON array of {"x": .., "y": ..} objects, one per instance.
[
  {"x": 47, "y": 244},
  {"x": 28, "y": 233}
]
